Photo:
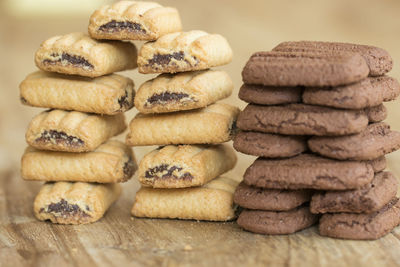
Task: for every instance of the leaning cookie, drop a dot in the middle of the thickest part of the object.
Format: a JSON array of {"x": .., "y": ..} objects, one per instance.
[
  {"x": 185, "y": 165},
  {"x": 211, "y": 125},
  {"x": 132, "y": 20},
  {"x": 112, "y": 162},
  {"x": 77, "y": 53},
  {"x": 74, "y": 203},
  {"x": 72, "y": 131},
  {"x": 184, "y": 51},
  {"x": 183, "y": 91},
  {"x": 210, "y": 202},
  {"x": 110, "y": 94}
]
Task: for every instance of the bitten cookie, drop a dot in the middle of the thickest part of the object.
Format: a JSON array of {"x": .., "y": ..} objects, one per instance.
[
  {"x": 184, "y": 51},
  {"x": 108, "y": 95},
  {"x": 375, "y": 141},
  {"x": 270, "y": 95},
  {"x": 183, "y": 91},
  {"x": 300, "y": 119},
  {"x": 378, "y": 59},
  {"x": 74, "y": 203},
  {"x": 77, "y": 53},
  {"x": 377, "y": 113},
  {"x": 361, "y": 226},
  {"x": 134, "y": 20},
  {"x": 72, "y": 131},
  {"x": 277, "y": 222},
  {"x": 211, "y": 125},
  {"x": 185, "y": 165},
  {"x": 369, "y": 198},
  {"x": 269, "y": 145},
  {"x": 304, "y": 68},
  {"x": 211, "y": 202},
  {"x": 255, "y": 198},
  {"x": 308, "y": 171},
  {"x": 112, "y": 162}
]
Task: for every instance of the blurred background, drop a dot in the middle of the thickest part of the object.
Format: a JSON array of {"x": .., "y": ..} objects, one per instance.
[{"x": 249, "y": 26}]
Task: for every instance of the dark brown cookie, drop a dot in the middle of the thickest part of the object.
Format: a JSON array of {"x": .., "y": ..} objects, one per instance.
[
  {"x": 369, "y": 198},
  {"x": 269, "y": 145},
  {"x": 301, "y": 119},
  {"x": 270, "y": 95},
  {"x": 361, "y": 226},
  {"x": 375, "y": 141},
  {"x": 378, "y": 59},
  {"x": 378, "y": 164},
  {"x": 377, "y": 113},
  {"x": 256, "y": 198},
  {"x": 277, "y": 222},
  {"x": 308, "y": 171},
  {"x": 369, "y": 92},
  {"x": 304, "y": 69}
]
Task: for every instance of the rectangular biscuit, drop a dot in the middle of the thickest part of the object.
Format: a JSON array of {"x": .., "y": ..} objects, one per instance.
[
  {"x": 110, "y": 94},
  {"x": 211, "y": 202},
  {"x": 183, "y": 91},
  {"x": 184, "y": 51},
  {"x": 211, "y": 125},
  {"x": 134, "y": 20},
  {"x": 185, "y": 165},
  {"x": 112, "y": 162},
  {"x": 72, "y": 131},
  {"x": 74, "y": 203},
  {"x": 77, "y": 53}
]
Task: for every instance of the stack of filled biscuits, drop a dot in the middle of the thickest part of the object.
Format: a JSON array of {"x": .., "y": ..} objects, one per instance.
[
  {"x": 69, "y": 144},
  {"x": 315, "y": 122}
]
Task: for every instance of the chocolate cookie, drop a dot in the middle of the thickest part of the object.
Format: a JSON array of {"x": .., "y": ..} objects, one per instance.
[
  {"x": 255, "y": 198},
  {"x": 375, "y": 141},
  {"x": 270, "y": 95},
  {"x": 369, "y": 92},
  {"x": 308, "y": 171},
  {"x": 277, "y": 222},
  {"x": 369, "y": 198},
  {"x": 304, "y": 68},
  {"x": 378, "y": 164},
  {"x": 378, "y": 59},
  {"x": 301, "y": 119},
  {"x": 269, "y": 145},
  {"x": 362, "y": 226},
  {"x": 377, "y": 113}
]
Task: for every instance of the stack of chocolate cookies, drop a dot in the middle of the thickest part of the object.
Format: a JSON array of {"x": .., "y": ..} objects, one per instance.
[
  {"x": 69, "y": 144},
  {"x": 315, "y": 122}
]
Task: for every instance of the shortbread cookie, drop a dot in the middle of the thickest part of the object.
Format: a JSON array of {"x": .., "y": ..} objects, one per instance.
[
  {"x": 111, "y": 94},
  {"x": 112, "y": 162},
  {"x": 377, "y": 113},
  {"x": 269, "y": 145},
  {"x": 255, "y": 198},
  {"x": 375, "y": 141},
  {"x": 77, "y": 53},
  {"x": 378, "y": 164},
  {"x": 74, "y": 203},
  {"x": 304, "y": 68},
  {"x": 369, "y": 92},
  {"x": 308, "y": 171},
  {"x": 300, "y": 119},
  {"x": 72, "y": 131},
  {"x": 134, "y": 20},
  {"x": 211, "y": 125},
  {"x": 369, "y": 198},
  {"x": 184, "y": 51},
  {"x": 183, "y": 91},
  {"x": 378, "y": 59},
  {"x": 361, "y": 226},
  {"x": 210, "y": 202},
  {"x": 270, "y": 95},
  {"x": 277, "y": 222}
]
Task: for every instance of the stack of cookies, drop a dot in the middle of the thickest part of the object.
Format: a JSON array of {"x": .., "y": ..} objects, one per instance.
[
  {"x": 69, "y": 144},
  {"x": 315, "y": 122}
]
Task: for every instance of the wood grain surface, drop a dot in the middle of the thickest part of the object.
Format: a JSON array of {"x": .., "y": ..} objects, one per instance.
[{"x": 118, "y": 239}]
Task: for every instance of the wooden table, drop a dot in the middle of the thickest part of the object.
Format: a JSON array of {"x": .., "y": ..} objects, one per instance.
[{"x": 118, "y": 239}]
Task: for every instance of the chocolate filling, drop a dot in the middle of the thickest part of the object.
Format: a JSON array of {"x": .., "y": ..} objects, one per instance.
[
  {"x": 66, "y": 209},
  {"x": 152, "y": 172},
  {"x": 60, "y": 138},
  {"x": 233, "y": 129},
  {"x": 116, "y": 26},
  {"x": 77, "y": 61},
  {"x": 129, "y": 168},
  {"x": 123, "y": 101},
  {"x": 23, "y": 100},
  {"x": 166, "y": 59},
  {"x": 166, "y": 97}
]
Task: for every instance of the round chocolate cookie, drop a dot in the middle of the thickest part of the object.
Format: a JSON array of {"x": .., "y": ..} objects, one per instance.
[
  {"x": 270, "y": 95},
  {"x": 377, "y": 113}
]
